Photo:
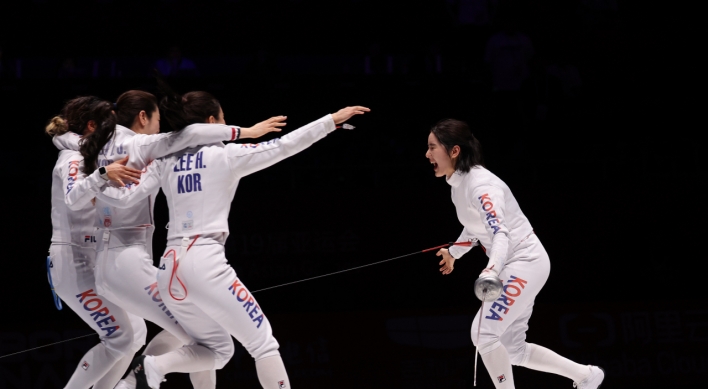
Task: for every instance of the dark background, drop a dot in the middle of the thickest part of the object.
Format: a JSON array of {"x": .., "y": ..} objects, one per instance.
[{"x": 597, "y": 143}]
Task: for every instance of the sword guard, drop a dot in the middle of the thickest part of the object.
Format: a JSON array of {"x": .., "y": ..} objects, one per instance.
[{"x": 488, "y": 288}]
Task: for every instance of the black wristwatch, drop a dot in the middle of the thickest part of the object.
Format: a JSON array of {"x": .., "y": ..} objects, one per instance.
[{"x": 103, "y": 172}]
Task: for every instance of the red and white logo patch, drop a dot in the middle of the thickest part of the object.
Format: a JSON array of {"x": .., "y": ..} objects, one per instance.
[
  {"x": 85, "y": 365},
  {"x": 281, "y": 384},
  {"x": 501, "y": 378}
]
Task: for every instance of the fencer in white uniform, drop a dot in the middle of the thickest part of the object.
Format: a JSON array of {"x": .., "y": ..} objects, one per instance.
[
  {"x": 124, "y": 269},
  {"x": 198, "y": 285},
  {"x": 491, "y": 217},
  {"x": 72, "y": 257}
]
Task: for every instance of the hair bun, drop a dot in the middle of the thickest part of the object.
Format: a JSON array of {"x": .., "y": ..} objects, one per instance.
[{"x": 57, "y": 126}]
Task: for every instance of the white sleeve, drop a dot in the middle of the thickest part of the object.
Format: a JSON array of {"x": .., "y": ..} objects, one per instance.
[
  {"x": 466, "y": 236},
  {"x": 490, "y": 202},
  {"x": 245, "y": 159},
  {"x": 80, "y": 188},
  {"x": 67, "y": 141},
  {"x": 128, "y": 195},
  {"x": 146, "y": 148}
]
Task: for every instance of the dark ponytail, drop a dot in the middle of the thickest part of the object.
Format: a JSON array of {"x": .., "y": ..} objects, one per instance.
[
  {"x": 450, "y": 133},
  {"x": 193, "y": 107},
  {"x": 92, "y": 144},
  {"x": 129, "y": 105}
]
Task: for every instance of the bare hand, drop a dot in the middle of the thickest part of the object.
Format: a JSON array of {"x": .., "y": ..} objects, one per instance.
[
  {"x": 345, "y": 114},
  {"x": 259, "y": 129},
  {"x": 118, "y": 172},
  {"x": 447, "y": 263}
]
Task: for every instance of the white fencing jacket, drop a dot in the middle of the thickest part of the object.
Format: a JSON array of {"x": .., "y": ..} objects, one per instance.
[
  {"x": 141, "y": 149},
  {"x": 200, "y": 182},
  {"x": 489, "y": 213},
  {"x": 75, "y": 227}
]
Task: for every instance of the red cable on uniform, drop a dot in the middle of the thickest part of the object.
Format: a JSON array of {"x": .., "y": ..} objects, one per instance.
[
  {"x": 447, "y": 245},
  {"x": 175, "y": 265},
  {"x": 434, "y": 248},
  {"x": 174, "y": 256}
]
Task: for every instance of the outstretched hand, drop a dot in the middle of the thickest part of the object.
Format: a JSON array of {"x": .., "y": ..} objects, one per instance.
[
  {"x": 259, "y": 129},
  {"x": 447, "y": 263},
  {"x": 345, "y": 114},
  {"x": 119, "y": 173}
]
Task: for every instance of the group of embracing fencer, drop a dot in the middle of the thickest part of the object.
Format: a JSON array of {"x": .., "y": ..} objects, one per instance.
[{"x": 113, "y": 160}]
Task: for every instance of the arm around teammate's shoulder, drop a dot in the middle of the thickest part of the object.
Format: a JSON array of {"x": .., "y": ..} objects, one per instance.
[
  {"x": 146, "y": 148},
  {"x": 80, "y": 188},
  {"x": 126, "y": 196}
]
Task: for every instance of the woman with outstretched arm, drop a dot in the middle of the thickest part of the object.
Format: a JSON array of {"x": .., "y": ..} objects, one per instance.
[
  {"x": 125, "y": 273},
  {"x": 197, "y": 284}
]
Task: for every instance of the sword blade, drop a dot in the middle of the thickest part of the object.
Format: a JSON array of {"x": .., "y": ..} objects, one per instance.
[{"x": 479, "y": 327}]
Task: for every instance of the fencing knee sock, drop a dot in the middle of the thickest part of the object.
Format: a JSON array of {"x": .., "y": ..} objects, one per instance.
[
  {"x": 499, "y": 367},
  {"x": 543, "y": 359},
  {"x": 165, "y": 342},
  {"x": 162, "y": 343},
  {"x": 111, "y": 378},
  {"x": 94, "y": 365},
  {"x": 203, "y": 379},
  {"x": 271, "y": 373},
  {"x": 188, "y": 359}
]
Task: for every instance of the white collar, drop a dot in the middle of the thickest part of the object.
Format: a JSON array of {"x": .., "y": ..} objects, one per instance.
[
  {"x": 126, "y": 130},
  {"x": 456, "y": 178}
]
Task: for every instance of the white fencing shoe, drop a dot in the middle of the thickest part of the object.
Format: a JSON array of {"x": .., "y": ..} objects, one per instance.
[{"x": 593, "y": 380}]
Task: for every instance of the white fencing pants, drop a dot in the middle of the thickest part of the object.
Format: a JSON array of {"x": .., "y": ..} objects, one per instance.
[
  {"x": 505, "y": 321},
  {"x": 121, "y": 334},
  {"x": 126, "y": 276},
  {"x": 214, "y": 305}
]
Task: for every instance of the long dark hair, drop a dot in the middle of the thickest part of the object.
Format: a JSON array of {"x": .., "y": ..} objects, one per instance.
[
  {"x": 451, "y": 133},
  {"x": 77, "y": 113},
  {"x": 101, "y": 112},
  {"x": 129, "y": 105},
  {"x": 193, "y": 107}
]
